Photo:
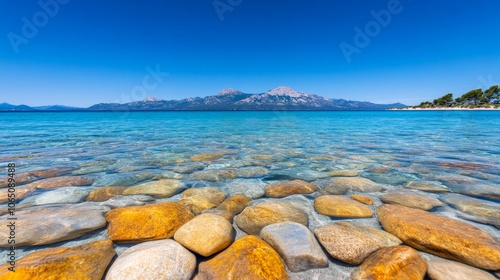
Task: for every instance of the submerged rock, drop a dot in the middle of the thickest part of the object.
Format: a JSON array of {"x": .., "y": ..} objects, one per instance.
[
  {"x": 64, "y": 181},
  {"x": 282, "y": 189},
  {"x": 158, "y": 189},
  {"x": 482, "y": 210},
  {"x": 247, "y": 258},
  {"x": 397, "y": 262},
  {"x": 250, "y": 188},
  {"x": 105, "y": 193},
  {"x": 214, "y": 175},
  {"x": 88, "y": 261},
  {"x": 206, "y": 234},
  {"x": 59, "y": 196},
  {"x": 441, "y": 236},
  {"x": 296, "y": 245},
  {"x": 357, "y": 184},
  {"x": 410, "y": 198},
  {"x": 427, "y": 186},
  {"x": 235, "y": 204},
  {"x": 343, "y": 173},
  {"x": 201, "y": 199},
  {"x": 328, "y": 187},
  {"x": 161, "y": 259},
  {"x": 450, "y": 270},
  {"x": 148, "y": 222},
  {"x": 341, "y": 207},
  {"x": 351, "y": 242},
  {"x": 363, "y": 199},
  {"x": 254, "y": 218}
]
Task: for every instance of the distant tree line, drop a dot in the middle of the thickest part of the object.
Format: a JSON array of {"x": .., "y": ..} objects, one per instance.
[{"x": 474, "y": 98}]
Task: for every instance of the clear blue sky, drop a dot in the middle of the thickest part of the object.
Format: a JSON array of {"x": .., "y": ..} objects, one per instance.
[{"x": 92, "y": 51}]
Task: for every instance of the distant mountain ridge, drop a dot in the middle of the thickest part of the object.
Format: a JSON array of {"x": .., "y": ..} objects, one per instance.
[{"x": 280, "y": 98}]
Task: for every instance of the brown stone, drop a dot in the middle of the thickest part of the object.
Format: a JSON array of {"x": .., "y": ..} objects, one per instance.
[
  {"x": 201, "y": 199},
  {"x": 223, "y": 213},
  {"x": 410, "y": 198},
  {"x": 215, "y": 175},
  {"x": 63, "y": 181},
  {"x": 148, "y": 222},
  {"x": 341, "y": 207},
  {"x": 20, "y": 192},
  {"x": 357, "y": 184},
  {"x": 257, "y": 216},
  {"x": 157, "y": 189},
  {"x": 105, "y": 193},
  {"x": 88, "y": 261},
  {"x": 282, "y": 189},
  {"x": 206, "y": 157},
  {"x": 352, "y": 242},
  {"x": 363, "y": 199},
  {"x": 451, "y": 270},
  {"x": 343, "y": 173},
  {"x": 397, "y": 262},
  {"x": 247, "y": 258},
  {"x": 427, "y": 186},
  {"x": 235, "y": 204},
  {"x": 441, "y": 236},
  {"x": 206, "y": 234}
]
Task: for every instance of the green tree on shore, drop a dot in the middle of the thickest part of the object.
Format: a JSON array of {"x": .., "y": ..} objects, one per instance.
[{"x": 475, "y": 97}]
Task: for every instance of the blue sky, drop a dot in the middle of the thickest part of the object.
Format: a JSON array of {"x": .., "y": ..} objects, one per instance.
[{"x": 85, "y": 52}]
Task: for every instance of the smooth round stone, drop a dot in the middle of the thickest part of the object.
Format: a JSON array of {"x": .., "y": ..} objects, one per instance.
[
  {"x": 352, "y": 242},
  {"x": 126, "y": 201},
  {"x": 59, "y": 196},
  {"x": 235, "y": 204},
  {"x": 471, "y": 187},
  {"x": 410, "y": 198},
  {"x": 124, "y": 179},
  {"x": 328, "y": 187},
  {"x": 105, "y": 193},
  {"x": 296, "y": 245},
  {"x": 252, "y": 172},
  {"x": 158, "y": 189},
  {"x": 206, "y": 234},
  {"x": 450, "y": 270},
  {"x": 397, "y": 262},
  {"x": 21, "y": 192},
  {"x": 482, "y": 210},
  {"x": 25, "y": 177},
  {"x": 441, "y": 236},
  {"x": 357, "y": 184},
  {"x": 207, "y": 156},
  {"x": 427, "y": 186},
  {"x": 363, "y": 199},
  {"x": 254, "y": 218},
  {"x": 294, "y": 174},
  {"x": 223, "y": 213},
  {"x": 282, "y": 189},
  {"x": 161, "y": 259},
  {"x": 341, "y": 207},
  {"x": 53, "y": 224},
  {"x": 188, "y": 169},
  {"x": 251, "y": 188},
  {"x": 214, "y": 175},
  {"x": 343, "y": 173},
  {"x": 88, "y": 261},
  {"x": 247, "y": 258},
  {"x": 201, "y": 199},
  {"x": 63, "y": 181},
  {"x": 148, "y": 222}
]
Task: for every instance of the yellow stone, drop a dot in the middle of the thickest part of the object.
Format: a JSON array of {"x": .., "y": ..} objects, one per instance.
[
  {"x": 341, "y": 207},
  {"x": 235, "y": 204},
  {"x": 105, "y": 193},
  {"x": 363, "y": 199},
  {"x": 282, "y": 189}
]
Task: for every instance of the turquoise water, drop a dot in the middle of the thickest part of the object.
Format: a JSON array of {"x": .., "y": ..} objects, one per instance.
[{"x": 456, "y": 149}]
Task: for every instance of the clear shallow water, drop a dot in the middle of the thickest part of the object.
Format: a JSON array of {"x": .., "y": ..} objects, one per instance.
[{"x": 125, "y": 149}]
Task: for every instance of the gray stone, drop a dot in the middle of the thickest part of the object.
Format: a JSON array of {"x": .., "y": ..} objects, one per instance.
[
  {"x": 158, "y": 189},
  {"x": 427, "y": 186},
  {"x": 296, "y": 245},
  {"x": 125, "y": 201},
  {"x": 410, "y": 198},
  {"x": 451, "y": 270},
  {"x": 357, "y": 184},
  {"x": 250, "y": 188},
  {"x": 58, "y": 196},
  {"x": 475, "y": 209},
  {"x": 162, "y": 259}
]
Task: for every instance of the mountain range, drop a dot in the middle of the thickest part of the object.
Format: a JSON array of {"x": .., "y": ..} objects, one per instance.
[{"x": 281, "y": 98}]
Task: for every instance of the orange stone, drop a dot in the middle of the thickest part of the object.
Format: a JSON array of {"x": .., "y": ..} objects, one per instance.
[
  {"x": 235, "y": 204},
  {"x": 63, "y": 181},
  {"x": 88, "y": 261},
  {"x": 363, "y": 199},
  {"x": 247, "y": 258},
  {"x": 282, "y": 189},
  {"x": 105, "y": 193},
  {"x": 148, "y": 222}
]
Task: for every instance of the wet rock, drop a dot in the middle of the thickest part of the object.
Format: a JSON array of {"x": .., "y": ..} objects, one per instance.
[
  {"x": 26, "y": 177},
  {"x": 214, "y": 175},
  {"x": 105, "y": 193},
  {"x": 341, "y": 207},
  {"x": 252, "y": 172},
  {"x": 427, "y": 186},
  {"x": 357, "y": 184},
  {"x": 410, "y": 198},
  {"x": 247, "y": 258},
  {"x": 64, "y": 181},
  {"x": 363, "y": 199},
  {"x": 235, "y": 204},
  {"x": 59, "y": 196},
  {"x": 397, "y": 262},
  {"x": 161, "y": 259},
  {"x": 21, "y": 192},
  {"x": 251, "y": 188},
  {"x": 471, "y": 187},
  {"x": 450, "y": 270},
  {"x": 148, "y": 222},
  {"x": 486, "y": 212},
  {"x": 352, "y": 242},
  {"x": 294, "y": 174},
  {"x": 282, "y": 189},
  {"x": 201, "y": 199},
  {"x": 223, "y": 213},
  {"x": 343, "y": 173},
  {"x": 206, "y": 234},
  {"x": 188, "y": 169},
  {"x": 207, "y": 156},
  {"x": 88, "y": 261},
  {"x": 441, "y": 236},
  {"x": 296, "y": 245},
  {"x": 328, "y": 187},
  {"x": 257, "y": 216},
  {"x": 158, "y": 189},
  {"x": 126, "y": 201},
  {"x": 53, "y": 224}
]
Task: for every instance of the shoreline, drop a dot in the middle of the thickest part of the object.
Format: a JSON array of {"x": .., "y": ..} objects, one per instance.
[{"x": 445, "y": 109}]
